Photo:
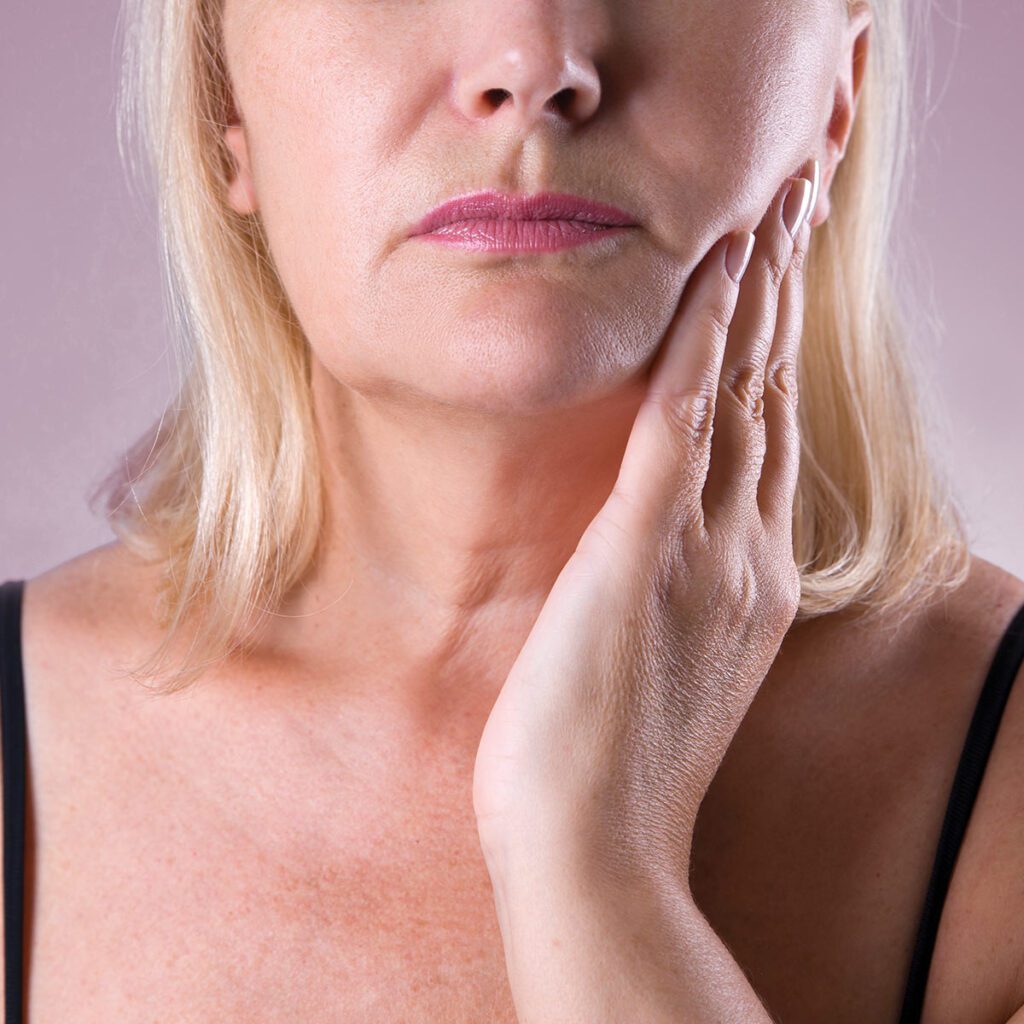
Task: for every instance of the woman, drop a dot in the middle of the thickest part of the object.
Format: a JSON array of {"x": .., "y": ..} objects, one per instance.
[{"x": 472, "y": 648}]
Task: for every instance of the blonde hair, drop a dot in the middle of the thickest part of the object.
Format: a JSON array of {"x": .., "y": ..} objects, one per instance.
[{"x": 224, "y": 491}]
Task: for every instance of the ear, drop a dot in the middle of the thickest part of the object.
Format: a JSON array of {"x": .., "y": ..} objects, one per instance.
[
  {"x": 241, "y": 191},
  {"x": 844, "y": 107}
]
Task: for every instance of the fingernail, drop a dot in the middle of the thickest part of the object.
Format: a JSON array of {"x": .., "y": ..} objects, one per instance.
[
  {"x": 816, "y": 184},
  {"x": 737, "y": 255},
  {"x": 796, "y": 206}
]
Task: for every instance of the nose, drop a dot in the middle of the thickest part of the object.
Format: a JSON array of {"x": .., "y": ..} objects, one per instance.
[{"x": 528, "y": 68}]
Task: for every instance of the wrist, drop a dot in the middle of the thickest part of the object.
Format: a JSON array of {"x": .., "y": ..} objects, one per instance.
[
  {"x": 545, "y": 873},
  {"x": 602, "y": 862},
  {"x": 595, "y": 950}
]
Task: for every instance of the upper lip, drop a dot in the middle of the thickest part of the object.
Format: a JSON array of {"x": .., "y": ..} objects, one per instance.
[{"x": 493, "y": 205}]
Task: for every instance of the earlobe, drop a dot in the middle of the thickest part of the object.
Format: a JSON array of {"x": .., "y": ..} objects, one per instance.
[
  {"x": 836, "y": 139},
  {"x": 844, "y": 109},
  {"x": 241, "y": 194}
]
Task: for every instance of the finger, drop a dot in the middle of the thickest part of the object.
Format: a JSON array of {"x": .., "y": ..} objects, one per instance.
[
  {"x": 777, "y": 487},
  {"x": 737, "y": 453},
  {"x": 665, "y": 462}
]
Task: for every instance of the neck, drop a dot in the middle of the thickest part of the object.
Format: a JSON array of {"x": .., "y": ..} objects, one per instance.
[{"x": 446, "y": 529}]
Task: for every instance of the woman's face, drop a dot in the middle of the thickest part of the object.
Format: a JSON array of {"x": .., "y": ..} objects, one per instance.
[{"x": 360, "y": 116}]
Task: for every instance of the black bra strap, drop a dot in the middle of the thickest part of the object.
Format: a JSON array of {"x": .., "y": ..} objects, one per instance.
[
  {"x": 980, "y": 737},
  {"x": 12, "y": 729}
]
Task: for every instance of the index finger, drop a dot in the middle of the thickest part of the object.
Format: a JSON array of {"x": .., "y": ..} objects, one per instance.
[{"x": 669, "y": 446}]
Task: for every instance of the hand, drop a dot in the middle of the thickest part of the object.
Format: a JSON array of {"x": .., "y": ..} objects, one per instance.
[{"x": 659, "y": 630}]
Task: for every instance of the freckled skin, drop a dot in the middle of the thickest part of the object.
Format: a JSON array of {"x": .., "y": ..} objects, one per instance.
[
  {"x": 361, "y": 116},
  {"x": 473, "y": 408},
  {"x": 338, "y": 883}
]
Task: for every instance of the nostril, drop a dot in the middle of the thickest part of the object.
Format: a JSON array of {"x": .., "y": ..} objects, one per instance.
[
  {"x": 564, "y": 99},
  {"x": 497, "y": 96}
]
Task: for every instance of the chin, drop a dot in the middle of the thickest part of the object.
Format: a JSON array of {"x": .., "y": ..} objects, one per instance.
[{"x": 497, "y": 367}]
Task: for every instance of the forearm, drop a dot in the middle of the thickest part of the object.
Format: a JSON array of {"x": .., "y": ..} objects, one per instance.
[{"x": 578, "y": 953}]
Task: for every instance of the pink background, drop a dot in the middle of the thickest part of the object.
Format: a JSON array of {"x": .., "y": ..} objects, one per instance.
[{"x": 85, "y": 364}]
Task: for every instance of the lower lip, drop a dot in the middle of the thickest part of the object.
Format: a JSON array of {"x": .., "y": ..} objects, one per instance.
[{"x": 520, "y": 235}]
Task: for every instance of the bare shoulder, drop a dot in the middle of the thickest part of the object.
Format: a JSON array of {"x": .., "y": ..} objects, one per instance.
[
  {"x": 67, "y": 615},
  {"x": 980, "y": 609},
  {"x": 78, "y": 592},
  {"x": 82, "y": 609},
  {"x": 84, "y": 623},
  {"x": 79, "y": 619},
  {"x": 978, "y": 963}
]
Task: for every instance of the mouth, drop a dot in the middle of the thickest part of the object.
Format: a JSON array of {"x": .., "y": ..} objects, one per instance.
[{"x": 542, "y": 222}]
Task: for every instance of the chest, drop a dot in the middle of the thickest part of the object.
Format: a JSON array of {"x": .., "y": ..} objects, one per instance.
[
  {"x": 148, "y": 906},
  {"x": 183, "y": 914},
  {"x": 151, "y": 897}
]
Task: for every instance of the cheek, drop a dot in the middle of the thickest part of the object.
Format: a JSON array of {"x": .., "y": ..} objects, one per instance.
[
  {"x": 756, "y": 84},
  {"x": 320, "y": 104},
  {"x": 781, "y": 99}
]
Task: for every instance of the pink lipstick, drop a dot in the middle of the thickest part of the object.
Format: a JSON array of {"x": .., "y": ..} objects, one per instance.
[{"x": 503, "y": 222}]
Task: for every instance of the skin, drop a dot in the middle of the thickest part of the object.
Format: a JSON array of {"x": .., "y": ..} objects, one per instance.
[
  {"x": 304, "y": 822},
  {"x": 475, "y": 410},
  {"x": 645, "y": 658},
  {"x": 457, "y": 394}
]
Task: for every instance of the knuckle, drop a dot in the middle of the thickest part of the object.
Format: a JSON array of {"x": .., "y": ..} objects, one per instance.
[
  {"x": 783, "y": 378},
  {"x": 745, "y": 384},
  {"x": 690, "y": 413},
  {"x": 765, "y": 599},
  {"x": 742, "y": 590},
  {"x": 755, "y": 586},
  {"x": 782, "y": 589},
  {"x": 785, "y": 602}
]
